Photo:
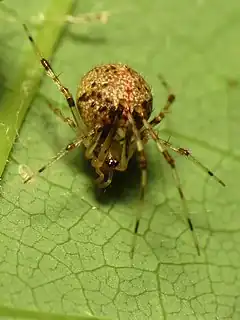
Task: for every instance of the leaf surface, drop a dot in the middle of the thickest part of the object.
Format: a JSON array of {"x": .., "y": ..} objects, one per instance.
[{"x": 64, "y": 247}]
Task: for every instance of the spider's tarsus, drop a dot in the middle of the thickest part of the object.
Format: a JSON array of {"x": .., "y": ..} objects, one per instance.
[
  {"x": 136, "y": 226},
  {"x": 131, "y": 253},
  {"x": 216, "y": 178},
  {"x": 41, "y": 169},
  {"x": 222, "y": 183},
  {"x": 28, "y": 179},
  {"x": 27, "y": 31},
  {"x": 194, "y": 236}
]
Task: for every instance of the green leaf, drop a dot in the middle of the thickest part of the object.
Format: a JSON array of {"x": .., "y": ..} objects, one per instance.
[{"x": 65, "y": 247}]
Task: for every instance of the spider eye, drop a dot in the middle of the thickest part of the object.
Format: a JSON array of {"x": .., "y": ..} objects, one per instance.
[{"x": 112, "y": 163}]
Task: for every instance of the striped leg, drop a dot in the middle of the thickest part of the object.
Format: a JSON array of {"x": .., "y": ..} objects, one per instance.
[
  {"x": 171, "y": 98},
  {"x": 176, "y": 177},
  {"x": 60, "y": 115},
  {"x": 49, "y": 71},
  {"x": 187, "y": 154},
  {"x": 71, "y": 146},
  {"x": 143, "y": 167}
]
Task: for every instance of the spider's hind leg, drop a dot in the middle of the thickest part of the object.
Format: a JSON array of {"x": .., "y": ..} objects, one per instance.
[
  {"x": 162, "y": 148},
  {"x": 143, "y": 167}
]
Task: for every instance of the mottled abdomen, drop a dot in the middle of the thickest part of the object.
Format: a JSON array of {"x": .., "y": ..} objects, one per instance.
[{"x": 108, "y": 87}]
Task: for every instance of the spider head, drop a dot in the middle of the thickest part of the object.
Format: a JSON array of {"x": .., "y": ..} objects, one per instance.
[{"x": 112, "y": 163}]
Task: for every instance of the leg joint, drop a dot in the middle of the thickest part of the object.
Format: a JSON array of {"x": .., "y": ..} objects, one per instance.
[
  {"x": 169, "y": 159},
  {"x": 142, "y": 161},
  {"x": 171, "y": 98}
]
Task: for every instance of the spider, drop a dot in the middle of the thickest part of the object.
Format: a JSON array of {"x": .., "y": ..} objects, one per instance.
[{"x": 111, "y": 119}]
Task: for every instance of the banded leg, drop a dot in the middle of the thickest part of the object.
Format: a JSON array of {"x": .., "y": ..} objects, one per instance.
[
  {"x": 104, "y": 152},
  {"x": 125, "y": 149},
  {"x": 71, "y": 146},
  {"x": 187, "y": 154},
  {"x": 61, "y": 116},
  {"x": 171, "y": 98},
  {"x": 176, "y": 177},
  {"x": 49, "y": 71},
  {"x": 92, "y": 144},
  {"x": 98, "y": 162},
  {"x": 89, "y": 17},
  {"x": 101, "y": 181},
  {"x": 143, "y": 167}
]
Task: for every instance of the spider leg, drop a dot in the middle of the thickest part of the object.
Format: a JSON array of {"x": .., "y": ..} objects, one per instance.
[
  {"x": 143, "y": 167},
  {"x": 89, "y": 17},
  {"x": 106, "y": 145},
  {"x": 49, "y": 71},
  {"x": 123, "y": 159},
  {"x": 170, "y": 99},
  {"x": 108, "y": 134},
  {"x": 101, "y": 180},
  {"x": 71, "y": 146},
  {"x": 126, "y": 152},
  {"x": 187, "y": 154},
  {"x": 61, "y": 116},
  {"x": 176, "y": 177},
  {"x": 93, "y": 143}
]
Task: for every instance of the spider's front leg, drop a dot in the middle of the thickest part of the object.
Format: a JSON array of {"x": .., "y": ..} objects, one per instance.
[
  {"x": 71, "y": 146},
  {"x": 162, "y": 148},
  {"x": 49, "y": 71},
  {"x": 60, "y": 114}
]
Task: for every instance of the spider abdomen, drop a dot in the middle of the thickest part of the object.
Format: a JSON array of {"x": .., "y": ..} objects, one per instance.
[{"x": 106, "y": 88}]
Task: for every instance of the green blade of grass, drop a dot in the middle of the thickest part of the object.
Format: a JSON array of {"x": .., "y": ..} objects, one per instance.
[
  {"x": 16, "y": 102},
  {"x": 26, "y": 314}
]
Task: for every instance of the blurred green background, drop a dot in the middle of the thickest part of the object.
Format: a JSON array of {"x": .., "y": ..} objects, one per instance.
[{"x": 64, "y": 247}]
